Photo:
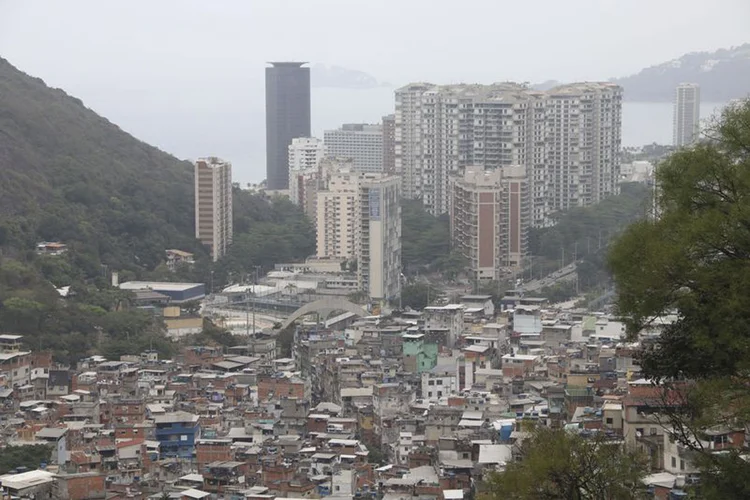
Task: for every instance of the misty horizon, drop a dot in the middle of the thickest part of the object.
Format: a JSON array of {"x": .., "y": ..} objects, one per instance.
[{"x": 190, "y": 79}]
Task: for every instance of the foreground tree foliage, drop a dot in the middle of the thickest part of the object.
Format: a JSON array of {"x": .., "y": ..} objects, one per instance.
[
  {"x": 558, "y": 464},
  {"x": 694, "y": 260}
]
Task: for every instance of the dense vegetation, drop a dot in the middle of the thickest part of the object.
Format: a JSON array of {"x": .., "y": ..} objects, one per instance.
[
  {"x": 425, "y": 238},
  {"x": 562, "y": 464},
  {"x": 694, "y": 260},
  {"x": 582, "y": 235},
  {"x": 69, "y": 175},
  {"x": 24, "y": 456}
]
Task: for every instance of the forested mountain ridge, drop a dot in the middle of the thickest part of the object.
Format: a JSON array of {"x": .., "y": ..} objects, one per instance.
[{"x": 68, "y": 174}]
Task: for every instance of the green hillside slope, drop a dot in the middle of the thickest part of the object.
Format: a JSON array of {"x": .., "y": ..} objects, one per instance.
[{"x": 68, "y": 174}]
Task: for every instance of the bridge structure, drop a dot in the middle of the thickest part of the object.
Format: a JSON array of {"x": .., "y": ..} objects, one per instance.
[{"x": 324, "y": 307}]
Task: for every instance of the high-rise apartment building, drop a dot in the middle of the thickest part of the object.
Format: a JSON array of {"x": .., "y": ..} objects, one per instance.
[
  {"x": 287, "y": 117},
  {"x": 686, "y": 114},
  {"x": 338, "y": 210},
  {"x": 305, "y": 157},
  {"x": 379, "y": 244},
  {"x": 489, "y": 219},
  {"x": 389, "y": 144},
  {"x": 567, "y": 138},
  {"x": 361, "y": 142},
  {"x": 359, "y": 218},
  {"x": 213, "y": 204},
  {"x": 306, "y": 152}
]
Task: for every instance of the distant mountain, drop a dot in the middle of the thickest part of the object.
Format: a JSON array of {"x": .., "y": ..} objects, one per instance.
[
  {"x": 344, "y": 78},
  {"x": 722, "y": 75}
]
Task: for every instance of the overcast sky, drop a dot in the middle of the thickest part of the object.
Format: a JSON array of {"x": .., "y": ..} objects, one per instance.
[{"x": 187, "y": 75}]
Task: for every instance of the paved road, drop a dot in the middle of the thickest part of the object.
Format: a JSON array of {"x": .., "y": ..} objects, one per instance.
[{"x": 565, "y": 274}]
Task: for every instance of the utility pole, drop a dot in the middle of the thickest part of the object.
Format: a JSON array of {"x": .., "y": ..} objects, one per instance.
[
  {"x": 247, "y": 310},
  {"x": 254, "y": 286},
  {"x": 562, "y": 259}
]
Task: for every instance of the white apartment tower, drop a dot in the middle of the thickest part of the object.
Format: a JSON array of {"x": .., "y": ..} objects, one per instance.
[
  {"x": 686, "y": 114},
  {"x": 489, "y": 218},
  {"x": 306, "y": 152},
  {"x": 567, "y": 139},
  {"x": 359, "y": 217},
  {"x": 305, "y": 157},
  {"x": 213, "y": 204},
  {"x": 361, "y": 142}
]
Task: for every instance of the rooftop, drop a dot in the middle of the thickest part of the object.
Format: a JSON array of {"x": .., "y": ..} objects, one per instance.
[
  {"x": 26, "y": 479},
  {"x": 158, "y": 285}
]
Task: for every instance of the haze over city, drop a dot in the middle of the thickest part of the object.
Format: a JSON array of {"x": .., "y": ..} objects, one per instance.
[
  {"x": 385, "y": 250},
  {"x": 187, "y": 76}
]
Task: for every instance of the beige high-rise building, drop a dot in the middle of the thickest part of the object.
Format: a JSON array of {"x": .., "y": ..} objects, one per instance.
[
  {"x": 567, "y": 138},
  {"x": 379, "y": 242},
  {"x": 489, "y": 219},
  {"x": 337, "y": 216},
  {"x": 213, "y": 204},
  {"x": 359, "y": 218}
]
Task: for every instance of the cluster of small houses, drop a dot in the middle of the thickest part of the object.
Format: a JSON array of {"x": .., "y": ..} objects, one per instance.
[{"x": 425, "y": 404}]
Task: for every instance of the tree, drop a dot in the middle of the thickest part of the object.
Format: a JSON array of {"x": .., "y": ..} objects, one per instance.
[
  {"x": 418, "y": 295},
  {"x": 425, "y": 238},
  {"x": 694, "y": 261},
  {"x": 24, "y": 456},
  {"x": 559, "y": 464}
]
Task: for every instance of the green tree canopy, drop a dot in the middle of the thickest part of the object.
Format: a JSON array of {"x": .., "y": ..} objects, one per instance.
[
  {"x": 418, "y": 295},
  {"x": 694, "y": 261},
  {"x": 557, "y": 464},
  {"x": 24, "y": 456}
]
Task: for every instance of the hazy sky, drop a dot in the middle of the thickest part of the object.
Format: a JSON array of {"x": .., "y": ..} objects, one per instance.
[{"x": 187, "y": 75}]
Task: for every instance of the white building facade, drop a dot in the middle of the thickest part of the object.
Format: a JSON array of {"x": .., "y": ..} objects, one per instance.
[
  {"x": 686, "y": 114},
  {"x": 361, "y": 142},
  {"x": 567, "y": 138}
]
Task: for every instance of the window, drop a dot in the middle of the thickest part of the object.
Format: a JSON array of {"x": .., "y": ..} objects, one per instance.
[
  {"x": 431, "y": 382},
  {"x": 439, "y": 382},
  {"x": 682, "y": 464},
  {"x": 652, "y": 431},
  {"x": 674, "y": 462},
  {"x": 609, "y": 420}
]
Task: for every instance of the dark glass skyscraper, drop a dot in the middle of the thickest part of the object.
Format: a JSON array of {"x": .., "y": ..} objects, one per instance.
[{"x": 287, "y": 117}]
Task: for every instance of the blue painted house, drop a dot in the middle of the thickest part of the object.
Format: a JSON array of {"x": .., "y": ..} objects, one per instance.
[{"x": 177, "y": 433}]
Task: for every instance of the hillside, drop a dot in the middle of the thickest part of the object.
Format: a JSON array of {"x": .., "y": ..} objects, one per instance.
[
  {"x": 723, "y": 75},
  {"x": 68, "y": 174}
]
